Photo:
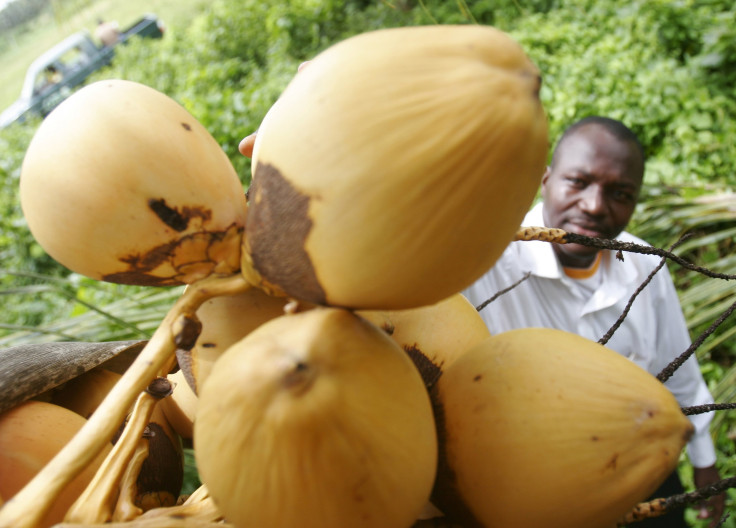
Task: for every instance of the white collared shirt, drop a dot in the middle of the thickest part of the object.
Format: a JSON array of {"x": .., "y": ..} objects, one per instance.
[{"x": 652, "y": 335}]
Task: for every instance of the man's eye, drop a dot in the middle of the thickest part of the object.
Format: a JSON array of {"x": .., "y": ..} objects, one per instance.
[{"x": 623, "y": 196}]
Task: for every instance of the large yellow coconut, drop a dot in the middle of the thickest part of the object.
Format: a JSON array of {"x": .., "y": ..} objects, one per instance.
[
  {"x": 395, "y": 169},
  {"x": 545, "y": 428},
  {"x": 120, "y": 183},
  {"x": 316, "y": 420}
]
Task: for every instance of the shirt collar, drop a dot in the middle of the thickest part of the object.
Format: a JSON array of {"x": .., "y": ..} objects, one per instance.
[{"x": 584, "y": 273}]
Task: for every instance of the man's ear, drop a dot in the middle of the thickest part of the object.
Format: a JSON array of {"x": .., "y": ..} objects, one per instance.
[{"x": 545, "y": 177}]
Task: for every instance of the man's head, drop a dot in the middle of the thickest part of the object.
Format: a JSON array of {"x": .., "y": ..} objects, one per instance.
[{"x": 592, "y": 185}]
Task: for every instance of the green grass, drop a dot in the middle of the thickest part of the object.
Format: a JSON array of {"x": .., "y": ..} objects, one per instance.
[{"x": 47, "y": 30}]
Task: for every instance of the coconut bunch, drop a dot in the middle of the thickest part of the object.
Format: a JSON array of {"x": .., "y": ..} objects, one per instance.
[
  {"x": 322, "y": 418},
  {"x": 320, "y": 309},
  {"x": 325, "y": 436}
]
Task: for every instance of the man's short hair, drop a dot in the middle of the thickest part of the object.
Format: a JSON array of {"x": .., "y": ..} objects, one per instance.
[{"x": 616, "y": 128}]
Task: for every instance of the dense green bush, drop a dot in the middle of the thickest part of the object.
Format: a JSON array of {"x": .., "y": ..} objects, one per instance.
[{"x": 23, "y": 302}]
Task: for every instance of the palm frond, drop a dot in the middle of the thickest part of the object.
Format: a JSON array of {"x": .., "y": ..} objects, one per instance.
[{"x": 132, "y": 317}]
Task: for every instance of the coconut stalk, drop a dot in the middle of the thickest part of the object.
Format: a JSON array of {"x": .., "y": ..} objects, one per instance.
[
  {"x": 125, "y": 508},
  {"x": 97, "y": 502},
  {"x": 199, "y": 506}
]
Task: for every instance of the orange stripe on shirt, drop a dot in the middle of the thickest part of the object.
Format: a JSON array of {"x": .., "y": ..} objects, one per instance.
[{"x": 584, "y": 273}]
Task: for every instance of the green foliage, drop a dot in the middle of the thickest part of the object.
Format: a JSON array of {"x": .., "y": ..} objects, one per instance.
[
  {"x": 16, "y": 244},
  {"x": 65, "y": 10},
  {"x": 499, "y": 13},
  {"x": 18, "y": 249},
  {"x": 705, "y": 220},
  {"x": 641, "y": 69}
]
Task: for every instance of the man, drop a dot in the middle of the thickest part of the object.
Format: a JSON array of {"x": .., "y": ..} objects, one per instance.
[
  {"x": 107, "y": 33},
  {"x": 591, "y": 188}
]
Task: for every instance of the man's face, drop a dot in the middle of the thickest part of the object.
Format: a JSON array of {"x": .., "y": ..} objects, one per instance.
[{"x": 591, "y": 189}]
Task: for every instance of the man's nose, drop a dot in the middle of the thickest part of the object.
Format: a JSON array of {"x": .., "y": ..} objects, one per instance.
[{"x": 592, "y": 201}]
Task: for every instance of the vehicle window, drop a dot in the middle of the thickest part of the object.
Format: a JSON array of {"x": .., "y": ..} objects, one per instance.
[
  {"x": 50, "y": 76},
  {"x": 69, "y": 62},
  {"x": 74, "y": 58}
]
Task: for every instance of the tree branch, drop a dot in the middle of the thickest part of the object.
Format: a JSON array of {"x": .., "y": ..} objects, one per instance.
[
  {"x": 505, "y": 290},
  {"x": 603, "y": 340},
  {"x": 701, "y": 409},
  {"x": 657, "y": 507},
  {"x": 670, "y": 369},
  {"x": 560, "y": 236}
]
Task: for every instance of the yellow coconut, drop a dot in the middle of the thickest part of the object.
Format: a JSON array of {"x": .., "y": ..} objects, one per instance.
[
  {"x": 316, "y": 419},
  {"x": 85, "y": 392},
  {"x": 545, "y": 428},
  {"x": 395, "y": 169},
  {"x": 434, "y": 336},
  {"x": 30, "y": 435},
  {"x": 225, "y": 320},
  {"x": 120, "y": 183}
]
